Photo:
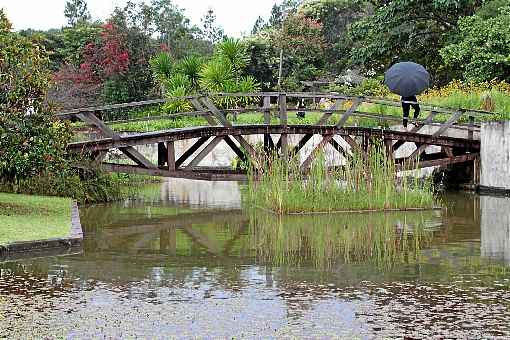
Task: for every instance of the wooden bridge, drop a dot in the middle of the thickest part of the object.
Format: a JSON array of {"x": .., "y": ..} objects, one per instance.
[{"x": 341, "y": 124}]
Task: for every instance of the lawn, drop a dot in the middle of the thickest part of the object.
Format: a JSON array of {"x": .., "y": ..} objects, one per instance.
[{"x": 29, "y": 218}]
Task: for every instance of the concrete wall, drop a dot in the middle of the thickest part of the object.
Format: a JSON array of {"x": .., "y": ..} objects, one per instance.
[
  {"x": 495, "y": 226},
  {"x": 495, "y": 155}
]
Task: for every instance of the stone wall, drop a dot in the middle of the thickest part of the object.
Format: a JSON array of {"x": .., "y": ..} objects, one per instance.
[{"x": 495, "y": 155}]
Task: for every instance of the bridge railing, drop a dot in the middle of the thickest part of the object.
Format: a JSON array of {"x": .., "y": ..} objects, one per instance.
[{"x": 353, "y": 110}]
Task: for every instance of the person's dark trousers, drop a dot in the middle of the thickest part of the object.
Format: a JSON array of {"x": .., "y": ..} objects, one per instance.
[{"x": 406, "y": 107}]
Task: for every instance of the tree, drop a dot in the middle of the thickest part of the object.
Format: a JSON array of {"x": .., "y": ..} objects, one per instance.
[
  {"x": 31, "y": 141},
  {"x": 406, "y": 30},
  {"x": 210, "y": 31},
  {"x": 336, "y": 16},
  {"x": 482, "y": 47},
  {"x": 257, "y": 27},
  {"x": 76, "y": 11}
]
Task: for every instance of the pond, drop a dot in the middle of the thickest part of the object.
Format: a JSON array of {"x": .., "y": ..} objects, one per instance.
[{"x": 185, "y": 260}]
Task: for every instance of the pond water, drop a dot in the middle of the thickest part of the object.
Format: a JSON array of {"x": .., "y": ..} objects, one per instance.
[{"x": 185, "y": 261}]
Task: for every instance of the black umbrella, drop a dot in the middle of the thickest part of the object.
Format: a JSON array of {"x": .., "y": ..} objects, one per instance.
[{"x": 407, "y": 79}]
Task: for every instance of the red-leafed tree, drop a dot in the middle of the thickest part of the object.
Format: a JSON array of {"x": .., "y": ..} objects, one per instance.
[{"x": 111, "y": 69}]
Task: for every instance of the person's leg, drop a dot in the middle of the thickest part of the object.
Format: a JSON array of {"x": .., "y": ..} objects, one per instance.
[
  {"x": 416, "y": 108},
  {"x": 405, "y": 108}
]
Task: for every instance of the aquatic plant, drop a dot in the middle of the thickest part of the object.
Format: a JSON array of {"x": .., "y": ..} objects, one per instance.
[{"x": 366, "y": 182}]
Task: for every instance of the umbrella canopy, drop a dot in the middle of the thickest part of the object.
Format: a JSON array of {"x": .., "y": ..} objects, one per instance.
[{"x": 407, "y": 79}]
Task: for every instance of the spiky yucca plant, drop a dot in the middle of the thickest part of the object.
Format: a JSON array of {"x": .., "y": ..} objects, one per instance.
[
  {"x": 191, "y": 67},
  {"x": 215, "y": 75},
  {"x": 234, "y": 52},
  {"x": 162, "y": 66}
]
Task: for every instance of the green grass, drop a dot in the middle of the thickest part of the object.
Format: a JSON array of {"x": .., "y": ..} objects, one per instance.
[
  {"x": 181, "y": 122},
  {"x": 361, "y": 185},
  {"x": 28, "y": 218}
]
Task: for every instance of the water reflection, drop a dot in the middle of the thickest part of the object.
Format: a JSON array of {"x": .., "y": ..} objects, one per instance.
[
  {"x": 495, "y": 227},
  {"x": 383, "y": 239}
]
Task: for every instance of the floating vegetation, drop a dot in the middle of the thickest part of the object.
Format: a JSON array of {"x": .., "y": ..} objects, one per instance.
[{"x": 367, "y": 182}]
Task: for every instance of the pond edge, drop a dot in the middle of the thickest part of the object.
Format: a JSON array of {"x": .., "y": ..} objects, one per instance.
[{"x": 361, "y": 211}]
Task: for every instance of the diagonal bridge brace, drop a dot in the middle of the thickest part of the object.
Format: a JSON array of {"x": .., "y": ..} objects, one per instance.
[
  {"x": 214, "y": 116},
  {"x": 91, "y": 119}
]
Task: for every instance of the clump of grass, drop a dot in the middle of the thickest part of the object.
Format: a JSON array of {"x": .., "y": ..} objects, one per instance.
[{"x": 365, "y": 183}]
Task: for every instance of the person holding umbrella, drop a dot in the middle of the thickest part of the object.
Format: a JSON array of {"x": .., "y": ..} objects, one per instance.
[{"x": 407, "y": 79}]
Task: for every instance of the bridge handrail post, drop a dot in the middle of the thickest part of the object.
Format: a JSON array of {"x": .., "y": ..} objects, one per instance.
[
  {"x": 471, "y": 127},
  {"x": 266, "y": 108},
  {"x": 282, "y": 102}
]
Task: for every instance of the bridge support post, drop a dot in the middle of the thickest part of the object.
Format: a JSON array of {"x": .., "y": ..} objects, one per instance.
[{"x": 170, "y": 155}]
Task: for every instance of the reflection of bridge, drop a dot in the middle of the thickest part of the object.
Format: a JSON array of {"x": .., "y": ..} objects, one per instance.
[{"x": 454, "y": 134}]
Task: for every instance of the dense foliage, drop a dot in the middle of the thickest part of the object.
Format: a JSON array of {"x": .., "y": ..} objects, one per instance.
[
  {"x": 31, "y": 142},
  {"x": 482, "y": 47}
]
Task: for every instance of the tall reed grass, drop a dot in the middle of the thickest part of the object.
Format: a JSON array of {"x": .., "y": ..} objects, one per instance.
[{"x": 364, "y": 183}]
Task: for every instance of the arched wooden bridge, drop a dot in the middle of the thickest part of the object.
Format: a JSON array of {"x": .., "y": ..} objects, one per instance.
[{"x": 454, "y": 133}]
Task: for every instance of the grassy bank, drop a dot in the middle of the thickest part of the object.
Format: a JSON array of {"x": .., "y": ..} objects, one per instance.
[
  {"x": 361, "y": 185},
  {"x": 28, "y": 218}
]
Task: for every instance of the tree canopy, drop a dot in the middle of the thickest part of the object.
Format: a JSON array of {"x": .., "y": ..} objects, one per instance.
[{"x": 482, "y": 47}]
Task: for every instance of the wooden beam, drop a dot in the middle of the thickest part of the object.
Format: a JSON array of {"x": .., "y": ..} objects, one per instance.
[
  {"x": 205, "y": 151},
  {"x": 208, "y": 131},
  {"x": 448, "y": 151},
  {"x": 471, "y": 127},
  {"x": 325, "y": 117},
  {"x": 302, "y": 142},
  {"x": 266, "y": 108},
  {"x": 326, "y": 139},
  {"x": 356, "y": 102},
  {"x": 308, "y": 161},
  {"x": 355, "y": 146},
  {"x": 137, "y": 157},
  {"x": 282, "y": 102},
  {"x": 170, "y": 155},
  {"x": 230, "y": 142},
  {"x": 215, "y": 111},
  {"x": 444, "y": 127},
  {"x": 91, "y": 119},
  {"x": 197, "y": 105},
  {"x": 221, "y": 118},
  {"x": 197, "y": 173},
  {"x": 338, "y": 147},
  {"x": 417, "y": 153},
  {"x": 416, "y": 129},
  {"x": 191, "y": 151},
  {"x": 436, "y": 162},
  {"x": 388, "y": 144}
]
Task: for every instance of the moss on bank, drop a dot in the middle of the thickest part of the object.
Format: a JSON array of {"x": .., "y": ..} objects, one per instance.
[{"x": 30, "y": 218}]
